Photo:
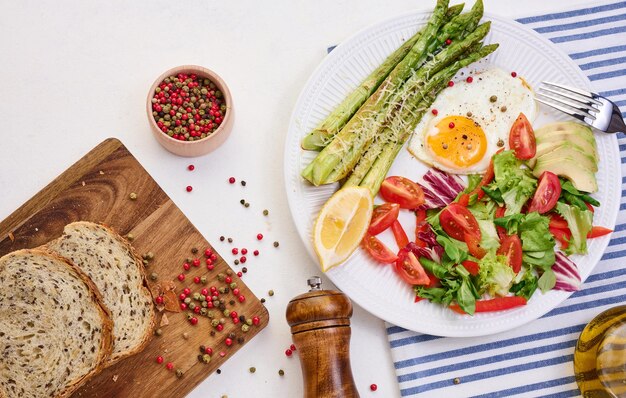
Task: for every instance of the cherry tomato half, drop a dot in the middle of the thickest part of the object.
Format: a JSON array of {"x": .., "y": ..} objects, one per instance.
[
  {"x": 378, "y": 250},
  {"x": 562, "y": 236},
  {"x": 547, "y": 193},
  {"x": 473, "y": 246},
  {"x": 522, "y": 138},
  {"x": 420, "y": 226},
  {"x": 398, "y": 232},
  {"x": 382, "y": 217},
  {"x": 402, "y": 191},
  {"x": 556, "y": 221},
  {"x": 471, "y": 266},
  {"x": 410, "y": 269},
  {"x": 457, "y": 221},
  {"x": 511, "y": 247}
]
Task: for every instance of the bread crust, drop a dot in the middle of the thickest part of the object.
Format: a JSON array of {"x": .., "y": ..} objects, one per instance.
[
  {"x": 147, "y": 337},
  {"x": 106, "y": 343}
]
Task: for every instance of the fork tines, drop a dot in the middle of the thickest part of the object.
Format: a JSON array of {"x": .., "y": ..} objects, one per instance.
[{"x": 573, "y": 101}]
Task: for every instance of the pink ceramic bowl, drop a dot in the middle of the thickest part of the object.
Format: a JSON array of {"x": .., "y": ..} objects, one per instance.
[{"x": 204, "y": 145}]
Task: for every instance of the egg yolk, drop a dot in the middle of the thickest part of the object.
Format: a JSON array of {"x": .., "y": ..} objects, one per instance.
[{"x": 460, "y": 142}]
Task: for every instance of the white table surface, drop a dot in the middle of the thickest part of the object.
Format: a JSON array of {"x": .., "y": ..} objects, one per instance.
[{"x": 76, "y": 72}]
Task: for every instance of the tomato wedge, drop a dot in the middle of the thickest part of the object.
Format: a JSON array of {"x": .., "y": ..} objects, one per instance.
[
  {"x": 547, "y": 193},
  {"x": 382, "y": 217},
  {"x": 494, "y": 304},
  {"x": 499, "y": 214},
  {"x": 511, "y": 247},
  {"x": 398, "y": 232},
  {"x": 473, "y": 246},
  {"x": 471, "y": 266},
  {"x": 410, "y": 269},
  {"x": 402, "y": 191},
  {"x": 378, "y": 250},
  {"x": 562, "y": 236},
  {"x": 420, "y": 226},
  {"x": 457, "y": 221},
  {"x": 590, "y": 207},
  {"x": 522, "y": 138},
  {"x": 598, "y": 231},
  {"x": 556, "y": 221}
]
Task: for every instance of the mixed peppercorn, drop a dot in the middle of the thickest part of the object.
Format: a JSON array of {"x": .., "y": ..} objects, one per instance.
[{"x": 187, "y": 107}]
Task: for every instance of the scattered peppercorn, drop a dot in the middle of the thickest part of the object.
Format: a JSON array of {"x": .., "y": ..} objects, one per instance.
[
  {"x": 222, "y": 238},
  {"x": 169, "y": 366},
  {"x": 243, "y": 183},
  {"x": 456, "y": 380},
  {"x": 154, "y": 276},
  {"x": 189, "y": 188},
  {"x": 252, "y": 369},
  {"x": 230, "y": 240},
  {"x": 179, "y": 373},
  {"x": 219, "y": 371},
  {"x": 159, "y": 359},
  {"x": 469, "y": 79},
  {"x": 158, "y": 332},
  {"x": 231, "y": 180},
  {"x": 132, "y": 196},
  {"x": 270, "y": 293},
  {"x": 242, "y": 201},
  {"x": 262, "y": 300},
  {"x": 514, "y": 74},
  {"x": 292, "y": 347},
  {"x": 373, "y": 387},
  {"x": 186, "y": 336},
  {"x": 246, "y": 204},
  {"x": 244, "y": 269},
  {"x": 266, "y": 212},
  {"x": 130, "y": 237},
  {"x": 236, "y": 262},
  {"x": 281, "y": 372},
  {"x": 288, "y": 352},
  {"x": 191, "y": 167},
  {"x": 276, "y": 244},
  {"x": 493, "y": 98},
  {"x": 259, "y": 236}
]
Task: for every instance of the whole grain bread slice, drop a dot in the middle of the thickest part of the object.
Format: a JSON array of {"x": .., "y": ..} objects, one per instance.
[
  {"x": 55, "y": 331},
  {"x": 111, "y": 263}
]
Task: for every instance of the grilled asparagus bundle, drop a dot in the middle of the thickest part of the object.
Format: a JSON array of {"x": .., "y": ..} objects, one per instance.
[{"x": 362, "y": 146}]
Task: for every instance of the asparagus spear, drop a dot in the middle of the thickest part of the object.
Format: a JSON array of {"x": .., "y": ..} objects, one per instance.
[
  {"x": 352, "y": 155},
  {"x": 355, "y": 132},
  {"x": 379, "y": 169},
  {"x": 321, "y": 135}
]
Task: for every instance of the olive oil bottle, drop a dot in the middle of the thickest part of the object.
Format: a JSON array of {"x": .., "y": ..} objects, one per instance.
[{"x": 600, "y": 356}]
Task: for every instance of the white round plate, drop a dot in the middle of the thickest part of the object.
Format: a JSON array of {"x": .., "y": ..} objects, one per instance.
[{"x": 376, "y": 287}]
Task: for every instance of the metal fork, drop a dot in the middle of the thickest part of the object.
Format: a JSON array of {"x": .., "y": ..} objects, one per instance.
[{"x": 591, "y": 108}]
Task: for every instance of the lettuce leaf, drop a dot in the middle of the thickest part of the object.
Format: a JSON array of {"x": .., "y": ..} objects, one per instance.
[
  {"x": 579, "y": 222},
  {"x": 515, "y": 183},
  {"x": 495, "y": 275}
]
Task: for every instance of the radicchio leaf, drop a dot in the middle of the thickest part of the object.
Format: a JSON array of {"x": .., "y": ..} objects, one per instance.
[
  {"x": 440, "y": 188},
  {"x": 566, "y": 271}
]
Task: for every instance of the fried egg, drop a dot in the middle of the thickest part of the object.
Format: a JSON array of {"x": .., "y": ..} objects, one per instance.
[{"x": 470, "y": 121}]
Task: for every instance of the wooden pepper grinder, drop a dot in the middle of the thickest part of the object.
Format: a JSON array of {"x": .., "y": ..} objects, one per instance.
[{"x": 320, "y": 325}]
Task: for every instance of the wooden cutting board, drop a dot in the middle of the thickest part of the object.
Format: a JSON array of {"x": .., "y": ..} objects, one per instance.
[{"x": 97, "y": 188}]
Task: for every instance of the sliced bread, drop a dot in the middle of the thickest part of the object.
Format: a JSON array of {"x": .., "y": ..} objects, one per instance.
[
  {"x": 111, "y": 263},
  {"x": 55, "y": 331}
]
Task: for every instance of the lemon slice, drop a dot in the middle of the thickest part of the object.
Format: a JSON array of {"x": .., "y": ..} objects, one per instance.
[{"x": 341, "y": 225}]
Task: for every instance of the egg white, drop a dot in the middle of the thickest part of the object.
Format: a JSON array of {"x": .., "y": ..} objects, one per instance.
[{"x": 473, "y": 100}]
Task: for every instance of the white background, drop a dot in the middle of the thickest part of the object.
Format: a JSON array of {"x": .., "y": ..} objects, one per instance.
[{"x": 76, "y": 72}]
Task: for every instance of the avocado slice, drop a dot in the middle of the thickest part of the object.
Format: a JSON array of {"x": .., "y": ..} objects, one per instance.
[
  {"x": 573, "y": 132},
  {"x": 565, "y": 149},
  {"x": 570, "y": 167},
  {"x": 584, "y": 132}
]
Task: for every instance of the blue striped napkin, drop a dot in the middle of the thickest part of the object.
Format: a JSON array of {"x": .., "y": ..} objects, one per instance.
[{"x": 536, "y": 359}]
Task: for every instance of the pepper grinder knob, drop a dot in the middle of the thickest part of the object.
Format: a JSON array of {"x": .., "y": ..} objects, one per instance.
[
  {"x": 315, "y": 282},
  {"x": 320, "y": 328}
]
